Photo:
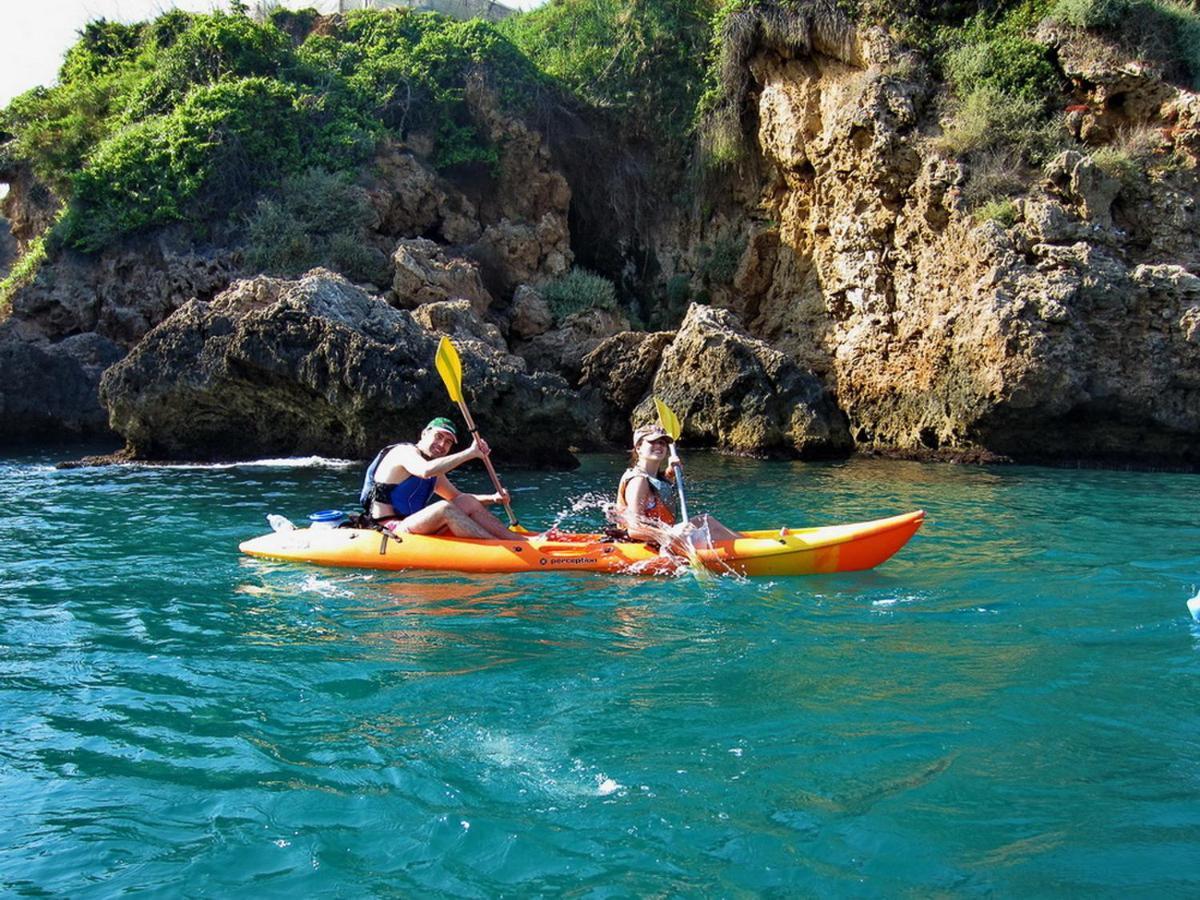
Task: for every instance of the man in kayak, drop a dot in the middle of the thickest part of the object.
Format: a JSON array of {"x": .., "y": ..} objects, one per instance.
[
  {"x": 400, "y": 484},
  {"x": 646, "y": 495}
]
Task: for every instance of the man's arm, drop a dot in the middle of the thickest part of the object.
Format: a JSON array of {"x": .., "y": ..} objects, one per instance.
[
  {"x": 407, "y": 456},
  {"x": 448, "y": 491}
]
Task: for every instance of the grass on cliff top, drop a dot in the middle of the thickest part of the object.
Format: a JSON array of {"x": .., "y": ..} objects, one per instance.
[
  {"x": 1166, "y": 32},
  {"x": 188, "y": 117}
]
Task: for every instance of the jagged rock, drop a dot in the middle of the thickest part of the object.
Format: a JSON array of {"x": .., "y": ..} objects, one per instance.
[
  {"x": 412, "y": 201},
  {"x": 120, "y": 295},
  {"x": 426, "y": 273},
  {"x": 1040, "y": 341},
  {"x": 526, "y": 236},
  {"x": 618, "y": 374},
  {"x": 737, "y": 393},
  {"x": 48, "y": 390},
  {"x": 1080, "y": 181},
  {"x": 29, "y": 205},
  {"x": 531, "y": 314},
  {"x": 318, "y": 366},
  {"x": 458, "y": 319},
  {"x": 563, "y": 348}
]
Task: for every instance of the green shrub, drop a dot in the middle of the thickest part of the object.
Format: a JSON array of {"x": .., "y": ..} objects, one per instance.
[
  {"x": 210, "y": 49},
  {"x": 223, "y": 143},
  {"x": 642, "y": 59},
  {"x": 102, "y": 47},
  {"x": 988, "y": 118},
  {"x": 185, "y": 118},
  {"x": 1008, "y": 64},
  {"x": 1090, "y": 13},
  {"x": 719, "y": 262},
  {"x": 317, "y": 218},
  {"x": 1002, "y": 210},
  {"x": 577, "y": 291},
  {"x": 1130, "y": 153}
]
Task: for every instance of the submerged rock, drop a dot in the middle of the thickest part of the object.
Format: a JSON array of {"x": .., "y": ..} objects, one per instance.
[{"x": 318, "y": 366}]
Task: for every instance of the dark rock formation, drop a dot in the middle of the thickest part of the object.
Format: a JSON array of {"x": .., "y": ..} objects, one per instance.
[
  {"x": 119, "y": 295},
  {"x": 562, "y": 349},
  {"x": 318, "y": 366},
  {"x": 48, "y": 390},
  {"x": 737, "y": 393},
  {"x": 617, "y": 376},
  {"x": 8, "y": 247}
]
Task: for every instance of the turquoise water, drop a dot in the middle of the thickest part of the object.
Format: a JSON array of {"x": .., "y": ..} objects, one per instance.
[{"x": 1009, "y": 706}]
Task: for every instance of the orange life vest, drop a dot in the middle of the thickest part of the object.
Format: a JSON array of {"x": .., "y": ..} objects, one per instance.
[{"x": 656, "y": 507}]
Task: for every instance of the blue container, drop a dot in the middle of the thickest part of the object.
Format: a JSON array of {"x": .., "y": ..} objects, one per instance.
[{"x": 326, "y": 518}]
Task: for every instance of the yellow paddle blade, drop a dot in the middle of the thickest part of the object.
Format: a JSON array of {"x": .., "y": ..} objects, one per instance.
[
  {"x": 449, "y": 366},
  {"x": 668, "y": 420}
]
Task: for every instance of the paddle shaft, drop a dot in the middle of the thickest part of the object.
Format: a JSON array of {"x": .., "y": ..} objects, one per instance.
[
  {"x": 487, "y": 462},
  {"x": 679, "y": 487}
]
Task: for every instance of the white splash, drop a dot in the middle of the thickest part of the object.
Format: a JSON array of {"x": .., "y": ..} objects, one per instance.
[
  {"x": 283, "y": 462},
  {"x": 1193, "y": 606}
]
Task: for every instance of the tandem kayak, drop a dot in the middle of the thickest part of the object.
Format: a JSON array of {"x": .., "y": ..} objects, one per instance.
[{"x": 800, "y": 551}]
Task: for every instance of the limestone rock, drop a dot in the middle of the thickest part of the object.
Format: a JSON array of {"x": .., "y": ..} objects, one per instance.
[
  {"x": 526, "y": 237},
  {"x": 618, "y": 375},
  {"x": 411, "y": 200},
  {"x": 737, "y": 393},
  {"x": 426, "y": 273},
  {"x": 120, "y": 295},
  {"x": 531, "y": 314},
  {"x": 564, "y": 348},
  {"x": 317, "y": 366},
  {"x": 458, "y": 319}
]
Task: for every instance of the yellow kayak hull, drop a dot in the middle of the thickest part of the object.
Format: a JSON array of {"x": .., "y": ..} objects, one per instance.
[{"x": 801, "y": 551}]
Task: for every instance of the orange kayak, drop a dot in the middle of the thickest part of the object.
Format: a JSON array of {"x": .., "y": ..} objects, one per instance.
[{"x": 800, "y": 551}]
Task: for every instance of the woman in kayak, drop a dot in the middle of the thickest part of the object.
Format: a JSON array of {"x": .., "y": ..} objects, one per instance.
[
  {"x": 646, "y": 495},
  {"x": 399, "y": 487}
]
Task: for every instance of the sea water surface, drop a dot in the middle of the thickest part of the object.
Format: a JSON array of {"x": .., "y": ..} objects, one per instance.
[{"x": 1010, "y": 706}]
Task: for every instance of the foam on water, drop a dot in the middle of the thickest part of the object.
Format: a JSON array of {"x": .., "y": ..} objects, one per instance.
[{"x": 282, "y": 462}]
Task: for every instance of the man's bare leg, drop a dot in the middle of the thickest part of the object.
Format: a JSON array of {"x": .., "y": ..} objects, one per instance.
[
  {"x": 439, "y": 515},
  {"x": 481, "y": 516}
]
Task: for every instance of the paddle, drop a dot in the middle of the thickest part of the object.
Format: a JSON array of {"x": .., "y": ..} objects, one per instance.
[
  {"x": 449, "y": 366},
  {"x": 670, "y": 424}
]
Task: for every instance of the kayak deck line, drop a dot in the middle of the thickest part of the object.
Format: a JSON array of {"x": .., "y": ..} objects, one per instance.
[{"x": 802, "y": 551}]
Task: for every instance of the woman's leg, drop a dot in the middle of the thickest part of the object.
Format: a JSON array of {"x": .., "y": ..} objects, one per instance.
[{"x": 716, "y": 531}]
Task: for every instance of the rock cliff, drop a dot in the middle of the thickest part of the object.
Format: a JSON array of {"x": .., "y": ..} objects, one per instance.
[
  {"x": 1066, "y": 335},
  {"x": 852, "y": 295}
]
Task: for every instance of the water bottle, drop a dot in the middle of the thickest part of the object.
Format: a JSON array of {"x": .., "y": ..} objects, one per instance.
[{"x": 280, "y": 523}]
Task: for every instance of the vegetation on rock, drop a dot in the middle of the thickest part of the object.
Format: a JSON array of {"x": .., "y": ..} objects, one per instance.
[
  {"x": 201, "y": 119},
  {"x": 188, "y": 118},
  {"x": 577, "y": 291}
]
